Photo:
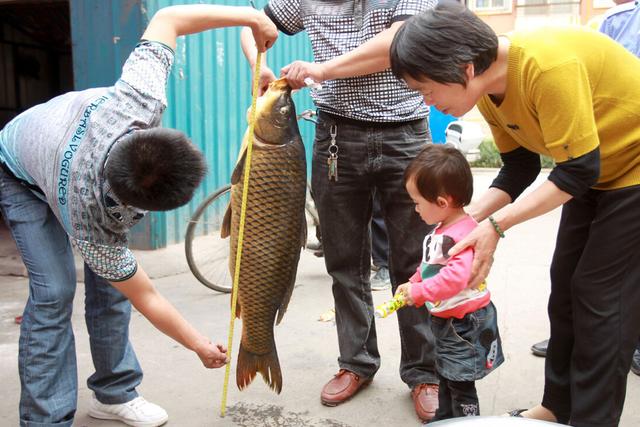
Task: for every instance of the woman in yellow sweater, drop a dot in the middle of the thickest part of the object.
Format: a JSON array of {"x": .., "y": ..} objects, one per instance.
[{"x": 572, "y": 94}]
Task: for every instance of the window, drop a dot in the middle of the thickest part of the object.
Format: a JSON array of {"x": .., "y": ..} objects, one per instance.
[
  {"x": 549, "y": 7},
  {"x": 490, "y": 5},
  {"x": 602, "y": 4}
]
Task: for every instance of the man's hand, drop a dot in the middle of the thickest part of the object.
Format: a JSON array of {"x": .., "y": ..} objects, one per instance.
[
  {"x": 484, "y": 240},
  {"x": 297, "y": 71},
  {"x": 266, "y": 77},
  {"x": 212, "y": 355},
  {"x": 405, "y": 291},
  {"x": 264, "y": 32}
]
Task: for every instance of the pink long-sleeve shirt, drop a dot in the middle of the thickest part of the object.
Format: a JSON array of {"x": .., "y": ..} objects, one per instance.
[{"x": 440, "y": 281}]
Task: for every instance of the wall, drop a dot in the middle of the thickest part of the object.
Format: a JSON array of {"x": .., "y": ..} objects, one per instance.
[{"x": 208, "y": 90}]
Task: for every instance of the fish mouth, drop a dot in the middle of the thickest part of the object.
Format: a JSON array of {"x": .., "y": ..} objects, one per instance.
[
  {"x": 281, "y": 84},
  {"x": 277, "y": 89}
]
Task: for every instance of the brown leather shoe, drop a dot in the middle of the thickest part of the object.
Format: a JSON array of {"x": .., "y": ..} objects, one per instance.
[
  {"x": 343, "y": 386},
  {"x": 425, "y": 400}
]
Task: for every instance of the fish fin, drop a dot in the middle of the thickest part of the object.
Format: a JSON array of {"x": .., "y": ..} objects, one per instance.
[
  {"x": 287, "y": 296},
  {"x": 250, "y": 364},
  {"x": 236, "y": 176},
  {"x": 285, "y": 302},
  {"x": 238, "y": 310},
  {"x": 225, "y": 230}
]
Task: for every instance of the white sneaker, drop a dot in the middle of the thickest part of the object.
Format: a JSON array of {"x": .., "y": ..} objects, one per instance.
[{"x": 137, "y": 412}]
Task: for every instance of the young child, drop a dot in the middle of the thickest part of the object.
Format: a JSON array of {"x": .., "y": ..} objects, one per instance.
[{"x": 464, "y": 321}]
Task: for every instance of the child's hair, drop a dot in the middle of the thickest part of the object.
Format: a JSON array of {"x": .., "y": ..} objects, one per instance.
[
  {"x": 441, "y": 170},
  {"x": 437, "y": 45},
  {"x": 155, "y": 169}
]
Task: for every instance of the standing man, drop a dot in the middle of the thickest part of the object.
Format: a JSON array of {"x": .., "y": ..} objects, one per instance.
[
  {"x": 572, "y": 94},
  {"x": 370, "y": 126},
  {"x": 82, "y": 169}
]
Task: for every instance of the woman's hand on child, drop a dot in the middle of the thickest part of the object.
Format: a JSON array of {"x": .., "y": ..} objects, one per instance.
[
  {"x": 405, "y": 290},
  {"x": 484, "y": 240},
  {"x": 212, "y": 355}
]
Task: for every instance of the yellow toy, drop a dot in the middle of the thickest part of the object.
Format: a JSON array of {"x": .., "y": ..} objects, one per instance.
[{"x": 388, "y": 307}]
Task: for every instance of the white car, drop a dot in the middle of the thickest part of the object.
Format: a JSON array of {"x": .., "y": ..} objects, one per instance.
[{"x": 465, "y": 136}]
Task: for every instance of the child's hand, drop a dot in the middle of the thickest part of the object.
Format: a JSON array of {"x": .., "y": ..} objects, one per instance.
[
  {"x": 212, "y": 355},
  {"x": 405, "y": 290}
]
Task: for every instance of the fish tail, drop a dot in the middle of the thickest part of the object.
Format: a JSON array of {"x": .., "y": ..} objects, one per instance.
[{"x": 250, "y": 364}]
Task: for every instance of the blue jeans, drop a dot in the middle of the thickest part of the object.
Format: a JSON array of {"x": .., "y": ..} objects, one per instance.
[
  {"x": 371, "y": 159},
  {"x": 47, "y": 358}
]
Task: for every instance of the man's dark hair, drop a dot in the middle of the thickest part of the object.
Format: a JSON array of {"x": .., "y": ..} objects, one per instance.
[
  {"x": 437, "y": 44},
  {"x": 155, "y": 169},
  {"x": 441, "y": 170}
]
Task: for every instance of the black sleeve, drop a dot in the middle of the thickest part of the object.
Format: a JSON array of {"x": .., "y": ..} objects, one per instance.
[
  {"x": 520, "y": 168},
  {"x": 270, "y": 15},
  {"x": 577, "y": 175}
]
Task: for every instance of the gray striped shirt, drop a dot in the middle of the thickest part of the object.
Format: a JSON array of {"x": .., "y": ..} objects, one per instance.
[{"x": 61, "y": 147}]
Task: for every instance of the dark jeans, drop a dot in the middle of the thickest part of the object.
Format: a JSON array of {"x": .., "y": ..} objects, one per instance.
[
  {"x": 372, "y": 159},
  {"x": 456, "y": 399},
  {"x": 593, "y": 307}
]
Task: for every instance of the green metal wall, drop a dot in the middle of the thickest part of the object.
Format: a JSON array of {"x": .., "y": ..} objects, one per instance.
[{"x": 208, "y": 91}]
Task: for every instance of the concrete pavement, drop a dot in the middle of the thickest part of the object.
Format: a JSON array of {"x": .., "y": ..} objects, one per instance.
[{"x": 175, "y": 379}]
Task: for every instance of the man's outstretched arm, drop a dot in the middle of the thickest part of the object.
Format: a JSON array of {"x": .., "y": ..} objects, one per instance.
[{"x": 171, "y": 22}]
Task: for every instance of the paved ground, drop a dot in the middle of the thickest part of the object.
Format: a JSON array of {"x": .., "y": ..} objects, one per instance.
[{"x": 307, "y": 347}]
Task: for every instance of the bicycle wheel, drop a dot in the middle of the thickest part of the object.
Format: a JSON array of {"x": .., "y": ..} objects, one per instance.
[{"x": 208, "y": 253}]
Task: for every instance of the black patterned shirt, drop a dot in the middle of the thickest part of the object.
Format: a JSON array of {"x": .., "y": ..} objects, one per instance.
[{"x": 336, "y": 27}]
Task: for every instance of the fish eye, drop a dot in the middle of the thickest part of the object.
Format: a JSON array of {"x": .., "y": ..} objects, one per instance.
[{"x": 284, "y": 110}]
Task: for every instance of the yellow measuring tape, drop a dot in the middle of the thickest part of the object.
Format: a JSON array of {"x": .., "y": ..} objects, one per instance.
[{"x": 243, "y": 214}]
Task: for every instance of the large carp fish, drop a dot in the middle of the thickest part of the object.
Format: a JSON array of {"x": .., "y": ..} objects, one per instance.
[{"x": 274, "y": 232}]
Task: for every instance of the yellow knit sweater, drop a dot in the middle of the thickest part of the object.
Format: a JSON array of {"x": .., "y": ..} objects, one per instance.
[{"x": 570, "y": 90}]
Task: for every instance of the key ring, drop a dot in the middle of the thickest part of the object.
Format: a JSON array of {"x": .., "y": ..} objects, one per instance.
[{"x": 333, "y": 130}]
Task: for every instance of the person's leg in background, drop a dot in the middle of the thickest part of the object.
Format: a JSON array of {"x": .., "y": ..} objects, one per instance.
[
  {"x": 316, "y": 246},
  {"x": 540, "y": 348},
  {"x": 47, "y": 358},
  {"x": 380, "y": 281},
  {"x": 635, "y": 363}
]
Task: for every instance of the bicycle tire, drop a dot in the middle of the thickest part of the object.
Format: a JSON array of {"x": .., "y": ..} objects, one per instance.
[
  {"x": 207, "y": 253},
  {"x": 211, "y": 266}
]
